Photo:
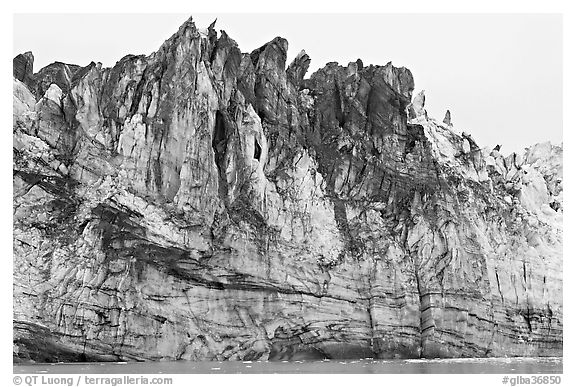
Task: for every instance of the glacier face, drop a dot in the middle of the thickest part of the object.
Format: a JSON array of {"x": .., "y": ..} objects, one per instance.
[{"x": 201, "y": 203}]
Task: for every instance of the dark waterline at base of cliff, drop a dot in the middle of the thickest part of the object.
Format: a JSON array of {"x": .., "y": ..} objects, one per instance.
[{"x": 547, "y": 365}]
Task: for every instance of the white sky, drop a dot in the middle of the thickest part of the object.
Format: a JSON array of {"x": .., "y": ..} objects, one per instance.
[{"x": 499, "y": 74}]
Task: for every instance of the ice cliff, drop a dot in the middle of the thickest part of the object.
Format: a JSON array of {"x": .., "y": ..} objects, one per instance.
[{"x": 202, "y": 203}]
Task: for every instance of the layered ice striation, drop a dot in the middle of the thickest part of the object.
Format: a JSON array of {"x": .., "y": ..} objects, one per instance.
[{"x": 207, "y": 204}]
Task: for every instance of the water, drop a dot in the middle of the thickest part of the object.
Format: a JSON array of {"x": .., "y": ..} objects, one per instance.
[{"x": 549, "y": 365}]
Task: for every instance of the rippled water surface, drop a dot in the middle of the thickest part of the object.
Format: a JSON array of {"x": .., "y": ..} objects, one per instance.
[{"x": 415, "y": 366}]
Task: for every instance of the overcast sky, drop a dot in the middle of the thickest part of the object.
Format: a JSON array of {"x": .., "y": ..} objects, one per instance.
[{"x": 500, "y": 75}]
